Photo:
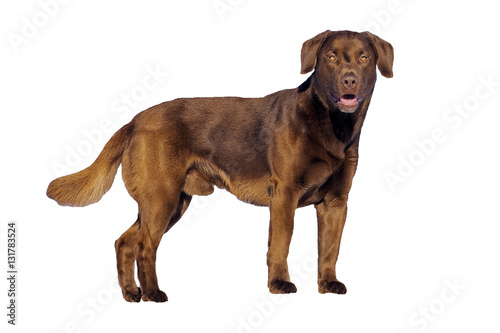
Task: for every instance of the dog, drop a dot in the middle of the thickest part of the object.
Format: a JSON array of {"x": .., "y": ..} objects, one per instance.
[{"x": 290, "y": 149}]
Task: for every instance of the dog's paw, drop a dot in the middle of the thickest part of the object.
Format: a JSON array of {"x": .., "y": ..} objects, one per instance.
[
  {"x": 334, "y": 287},
  {"x": 156, "y": 296},
  {"x": 282, "y": 287},
  {"x": 132, "y": 297}
]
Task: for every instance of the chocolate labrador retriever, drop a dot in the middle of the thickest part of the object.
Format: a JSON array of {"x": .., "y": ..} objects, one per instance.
[{"x": 290, "y": 149}]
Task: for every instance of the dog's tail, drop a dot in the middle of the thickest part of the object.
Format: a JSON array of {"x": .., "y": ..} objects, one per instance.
[{"x": 89, "y": 185}]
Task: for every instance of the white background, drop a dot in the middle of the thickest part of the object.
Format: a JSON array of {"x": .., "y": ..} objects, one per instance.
[{"x": 421, "y": 256}]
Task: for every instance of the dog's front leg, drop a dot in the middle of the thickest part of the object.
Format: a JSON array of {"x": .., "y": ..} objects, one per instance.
[
  {"x": 282, "y": 206},
  {"x": 332, "y": 213},
  {"x": 331, "y": 219}
]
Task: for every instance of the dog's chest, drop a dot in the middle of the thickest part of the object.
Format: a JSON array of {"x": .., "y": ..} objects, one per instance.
[{"x": 316, "y": 181}]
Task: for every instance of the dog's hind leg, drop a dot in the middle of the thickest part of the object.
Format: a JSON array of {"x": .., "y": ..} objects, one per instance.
[
  {"x": 125, "y": 256},
  {"x": 156, "y": 214},
  {"x": 125, "y": 260},
  {"x": 154, "y": 168}
]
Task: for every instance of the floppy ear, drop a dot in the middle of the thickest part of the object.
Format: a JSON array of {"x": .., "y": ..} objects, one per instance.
[
  {"x": 384, "y": 52},
  {"x": 309, "y": 53}
]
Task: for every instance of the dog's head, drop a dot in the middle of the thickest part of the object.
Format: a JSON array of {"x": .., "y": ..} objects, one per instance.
[{"x": 345, "y": 65}]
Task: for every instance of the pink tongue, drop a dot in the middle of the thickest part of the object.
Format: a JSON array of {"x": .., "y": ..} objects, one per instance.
[{"x": 349, "y": 102}]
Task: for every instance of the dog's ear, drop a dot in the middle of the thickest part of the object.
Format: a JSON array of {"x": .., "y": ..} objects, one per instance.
[
  {"x": 384, "y": 52},
  {"x": 309, "y": 53}
]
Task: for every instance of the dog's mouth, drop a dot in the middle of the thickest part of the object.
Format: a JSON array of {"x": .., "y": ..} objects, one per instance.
[{"x": 347, "y": 103}]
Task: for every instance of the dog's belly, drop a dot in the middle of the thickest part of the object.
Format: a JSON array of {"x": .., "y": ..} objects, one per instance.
[{"x": 201, "y": 178}]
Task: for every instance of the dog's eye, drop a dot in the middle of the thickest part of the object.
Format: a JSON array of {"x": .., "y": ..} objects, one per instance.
[
  {"x": 332, "y": 57},
  {"x": 363, "y": 58}
]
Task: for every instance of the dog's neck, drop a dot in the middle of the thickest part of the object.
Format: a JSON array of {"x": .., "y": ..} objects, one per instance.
[{"x": 336, "y": 126}]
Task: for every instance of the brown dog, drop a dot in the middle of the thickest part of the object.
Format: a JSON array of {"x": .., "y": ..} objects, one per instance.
[{"x": 290, "y": 149}]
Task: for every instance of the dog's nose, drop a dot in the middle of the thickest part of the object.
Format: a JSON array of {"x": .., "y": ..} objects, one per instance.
[{"x": 349, "y": 81}]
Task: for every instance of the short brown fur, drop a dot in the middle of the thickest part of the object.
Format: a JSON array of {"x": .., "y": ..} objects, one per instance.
[{"x": 290, "y": 149}]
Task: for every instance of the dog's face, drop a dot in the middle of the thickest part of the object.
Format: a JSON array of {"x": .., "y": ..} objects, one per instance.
[{"x": 345, "y": 64}]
